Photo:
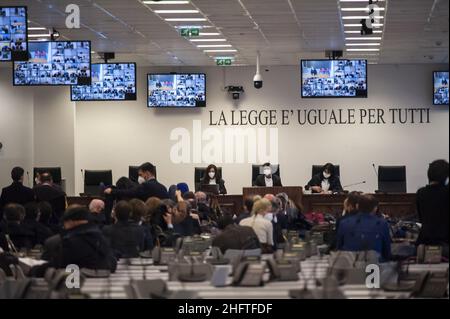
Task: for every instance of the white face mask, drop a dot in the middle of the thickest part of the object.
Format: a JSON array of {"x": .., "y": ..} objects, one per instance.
[
  {"x": 212, "y": 175},
  {"x": 141, "y": 180},
  {"x": 267, "y": 172},
  {"x": 326, "y": 175},
  {"x": 269, "y": 217}
]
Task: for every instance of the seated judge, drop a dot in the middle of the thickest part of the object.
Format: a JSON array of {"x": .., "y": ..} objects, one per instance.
[
  {"x": 268, "y": 179},
  {"x": 212, "y": 178},
  {"x": 326, "y": 182}
]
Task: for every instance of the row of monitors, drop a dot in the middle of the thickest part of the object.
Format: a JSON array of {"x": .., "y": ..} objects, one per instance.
[{"x": 69, "y": 63}]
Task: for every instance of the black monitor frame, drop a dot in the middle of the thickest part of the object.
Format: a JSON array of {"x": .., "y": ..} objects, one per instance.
[
  {"x": 333, "y": 97},
  {"x": 21, "y": 56},
  {"x": 174, "y": 106},
  {"x": 108, "y": 100},
  {"x": 52, "y": 85}
]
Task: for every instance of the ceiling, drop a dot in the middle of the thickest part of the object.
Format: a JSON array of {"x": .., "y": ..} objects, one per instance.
[{"x": 284, "y": 31}]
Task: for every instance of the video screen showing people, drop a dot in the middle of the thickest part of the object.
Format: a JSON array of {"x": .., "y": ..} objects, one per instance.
[
  {"x": 55, "y": 63},
  {"x": 110, "y": 82},
  {"x": 176, "y": 90},
  {"x": 13, "y": 34},
  {"x": 441, "y": 88},
  {"x": 334, "y": 78}
]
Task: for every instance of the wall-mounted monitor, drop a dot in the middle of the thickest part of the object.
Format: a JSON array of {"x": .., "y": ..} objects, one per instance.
[
  {"x": 110, "y": 82},
  {"x": 176, "y": 90},
  {"x": 55, "y": 63},
  {"x": 13, "y": 34},
  {"x": 440, "y": 94},
  {"x": 334, "y": 78}
]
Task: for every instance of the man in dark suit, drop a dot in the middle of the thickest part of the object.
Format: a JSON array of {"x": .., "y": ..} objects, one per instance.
[
  {"x": 268, "y": 179},
  {"x": 148, "y": 186},
  {"x": 126, "y": 239},
  {"x": 16, "y": 193},
  {"x": 53, "y": 194}
]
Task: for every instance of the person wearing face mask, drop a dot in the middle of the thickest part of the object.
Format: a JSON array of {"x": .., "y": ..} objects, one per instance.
[
  {"x": 433, "y": 207},
  {"x": 212, "y": 178},
  {"x": 148, "y": 186},
  {"x": 326, "y": 182},
  {"x": 268, "y": 179}
]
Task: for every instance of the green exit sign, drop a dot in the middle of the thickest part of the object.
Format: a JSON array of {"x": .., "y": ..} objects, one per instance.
[
  {"x": 224, "y": 62},
  {"x": 189, "y": 32}
]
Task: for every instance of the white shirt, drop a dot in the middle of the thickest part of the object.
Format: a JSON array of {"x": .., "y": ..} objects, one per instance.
[
  {"x": 269, "y": 182},
  {"x": 262, "y": 227},
  {"x": 325, "y": 185},
  {"x": 212, "y": 182}
]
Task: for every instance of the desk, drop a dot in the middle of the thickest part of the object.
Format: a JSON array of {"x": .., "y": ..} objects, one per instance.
[{"x": 394, "y": 205}]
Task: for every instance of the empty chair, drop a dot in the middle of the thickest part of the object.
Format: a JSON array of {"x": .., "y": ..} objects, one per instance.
[
  {"x": 317, "y": 169},
  {"x": 258, "y": 170},
  {"x": 392, "y": 179},
  {"x": 54, "y": 171},
  {"x": 93, "y": 180}
]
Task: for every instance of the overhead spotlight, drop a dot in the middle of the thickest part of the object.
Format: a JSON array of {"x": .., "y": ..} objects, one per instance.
[{"x": 55, "y": 35}]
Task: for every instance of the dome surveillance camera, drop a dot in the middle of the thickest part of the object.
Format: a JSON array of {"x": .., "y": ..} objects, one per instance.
[{"x": 258, "y": 81}]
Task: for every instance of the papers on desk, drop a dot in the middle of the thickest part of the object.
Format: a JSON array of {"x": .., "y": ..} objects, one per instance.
[{"x": 28, "y": 263}]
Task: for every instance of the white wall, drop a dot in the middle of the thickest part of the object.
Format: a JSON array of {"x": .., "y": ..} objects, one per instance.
[
  {"x": 115, "y": 135},
  {"x": 40, "y": 126},
  {"x": 16, "y": 128}
]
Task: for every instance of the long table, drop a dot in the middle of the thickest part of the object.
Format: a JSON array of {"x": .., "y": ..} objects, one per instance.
[{"x": 395, "y": 205}]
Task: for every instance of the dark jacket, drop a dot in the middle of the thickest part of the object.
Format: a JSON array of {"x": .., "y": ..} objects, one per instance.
[
  {"x": 188, "y": 227},
  {"x": 144, "y": 191},
  {"x": 20, "y": 236},
  {"x": 363, "y": 232},
  {"x": 84, "y": 246},
  {"x": 15, "y": 193},
  {"x": 261, "y": 181},
  {"x": 220, "y": 182},
  {"x": 433, "y": 211},
  {"x": 55, "y": 196},
  {"x": 335, "y": 182},
  {"x": 40, "y": 232},
  {"x": 236, "y": 237},
  {"x": 126, "y": 240}
]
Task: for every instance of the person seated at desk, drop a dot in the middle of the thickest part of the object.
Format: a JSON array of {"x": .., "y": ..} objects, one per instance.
[
  {"x": 261, "y": 225},
  {"x": 16, "y": 193},
  {"x": 12, "y": 227},
  {"x": 233, "y": 236},
  {"x": 326, "y": 182},
  {"x": 268, "y": 179},
  {"x": 81, "y": 243},
  {"x": 148, "y": 186},
  {"x": 433, "y": 206},
  {"x": 365, "y": 231},
  {"x": 212, "y": 178}
]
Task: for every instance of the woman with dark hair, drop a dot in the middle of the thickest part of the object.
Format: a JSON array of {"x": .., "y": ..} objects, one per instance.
[
  {"x": 326, "y": 182},
  {"x": 212, "y": 177}
]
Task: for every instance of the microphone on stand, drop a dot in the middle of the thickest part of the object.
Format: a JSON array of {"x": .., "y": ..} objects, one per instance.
[
  {"x": 355, "y": 184},
  {"x": 28, "y": 179}
]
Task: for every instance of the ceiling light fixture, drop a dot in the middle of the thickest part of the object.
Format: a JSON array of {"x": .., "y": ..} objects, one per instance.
[
  {"x": 361, "y": 17},
  {"x": 360, "y": 9},
  {"x": 214, "y": 46},
  {"x": 363, "y": 44},
  {"x": 363, "y": 38},
  {"x": 175, "y": 11},
  {"x": 359, "y": 25},
  {"x": 208, "y": 40},
  {"x": 185, "y": 19},
  {"x": 165, "y": 2},
  {"x": 363, "y": 50},
  {"x": 37, "y": 29},
  {"x": 219, "y": 51}
]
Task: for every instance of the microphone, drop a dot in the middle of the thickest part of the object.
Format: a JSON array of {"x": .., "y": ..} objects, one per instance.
[
  {"x": 28, "y": 179},
  {"x": 355, "y": 184},
  {"x": 375, "y": 169}
]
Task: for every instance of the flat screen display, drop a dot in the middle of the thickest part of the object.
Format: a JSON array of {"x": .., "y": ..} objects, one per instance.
[
  {"x": 440, "y": 88},
  {"x": 176, "y": 90},
  {"x": 55, "y": 63},
  {"x": 334, "y": 78},
  {"x": 110, "y": 82},
  {"x": 13, "y": 34}
]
